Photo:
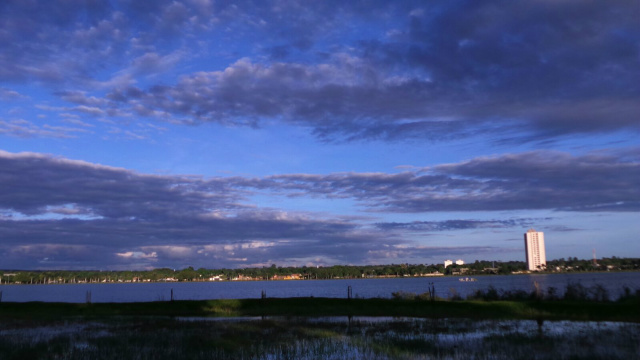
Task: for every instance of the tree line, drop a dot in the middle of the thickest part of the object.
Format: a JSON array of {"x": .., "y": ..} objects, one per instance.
[{"x": 275, "y": 272}]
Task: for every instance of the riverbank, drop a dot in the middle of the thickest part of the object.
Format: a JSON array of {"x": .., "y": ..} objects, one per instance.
[
  {"x": 8, "y": 279},
  {"x": 625, "y": 310}
]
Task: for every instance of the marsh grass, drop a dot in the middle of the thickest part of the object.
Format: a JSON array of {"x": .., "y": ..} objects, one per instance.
[
  {"x": 299, "y": 338},
  {"x": 627, "y": 309},
  {"x": 582, "y": 324}
]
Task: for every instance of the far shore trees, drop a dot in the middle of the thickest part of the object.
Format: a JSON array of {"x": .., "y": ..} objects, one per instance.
[{"x": 310, "y": 272}]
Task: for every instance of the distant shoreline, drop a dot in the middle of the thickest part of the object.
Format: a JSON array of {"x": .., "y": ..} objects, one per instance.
[{"x": 149, "y": 281}]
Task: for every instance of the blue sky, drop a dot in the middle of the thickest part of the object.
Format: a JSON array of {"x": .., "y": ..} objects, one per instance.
[{"x": 142, "y": 134}]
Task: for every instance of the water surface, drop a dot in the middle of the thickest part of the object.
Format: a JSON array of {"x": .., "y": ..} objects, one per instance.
[{"x": 364, "y": 288}]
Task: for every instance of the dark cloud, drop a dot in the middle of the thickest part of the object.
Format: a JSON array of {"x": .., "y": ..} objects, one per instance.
[
  {"x": 56, "y": 41},
  {"x": 189, "y": 241},
  {"x": 41, "y": 181},
  {"x": 540, "y": 70},
  {"x": 62, "y": 209},
  {"x": 396, "y": 70},
  {"x": 533, "y": 180},
  {"x": 434, "y": 252},
  {"x": 59, "y": 212},
  {"x": 448, "y": 225}
]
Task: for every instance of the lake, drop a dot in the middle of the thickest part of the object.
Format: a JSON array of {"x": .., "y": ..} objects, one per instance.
[{"x": 364, "y": 288}]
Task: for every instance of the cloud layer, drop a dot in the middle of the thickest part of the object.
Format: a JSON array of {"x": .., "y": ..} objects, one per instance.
[
  {"x": 533, "y": 180},
  {"x": 517, "y": 72},
  {"x": 504, "y": 113},
  {"x": 68, "y": 208}
]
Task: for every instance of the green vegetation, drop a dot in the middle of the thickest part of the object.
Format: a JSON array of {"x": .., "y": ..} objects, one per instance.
[
  {"x": 492, "y": 324},
  {"x": 331, "y": 272},
  {"x": 626, "y": 309}
]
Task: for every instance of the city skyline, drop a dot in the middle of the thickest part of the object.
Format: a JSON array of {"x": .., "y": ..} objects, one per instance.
[{"x": 233, "y": 134}]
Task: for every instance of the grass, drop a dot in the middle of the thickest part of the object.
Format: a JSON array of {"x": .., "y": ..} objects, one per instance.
[
  {"x": 627, "y": 310},
  {"x": 407, "y": 327}
]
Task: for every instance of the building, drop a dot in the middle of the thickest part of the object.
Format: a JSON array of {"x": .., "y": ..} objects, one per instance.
[
  {"x": 450, "y": 262},
  {"x": 534, "y": 248}
]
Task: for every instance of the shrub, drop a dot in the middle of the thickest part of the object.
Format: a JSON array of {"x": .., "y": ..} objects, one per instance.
[
  {"x": 454, "y": 296},
  {"x": 517, "y": 295},
  {"x": 576, "y": 292},
  {"x": 552, "y": 293},
  {"x": 491, "y": 294},
  {"x": 599, "y": 293},
  {"x": 402, "y": 295}
]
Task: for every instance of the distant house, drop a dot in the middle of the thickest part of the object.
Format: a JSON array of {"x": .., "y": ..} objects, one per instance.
[
  {"x": 287, "y": 277},
  {"x": 242, "y": 278},
  {"x": 460, "y": 271},
  {"x": 448, "y": 262},
  {"x": 459, "y": 262}
]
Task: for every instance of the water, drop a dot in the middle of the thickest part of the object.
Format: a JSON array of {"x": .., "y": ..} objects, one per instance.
[{"x": 364, "y": 288}]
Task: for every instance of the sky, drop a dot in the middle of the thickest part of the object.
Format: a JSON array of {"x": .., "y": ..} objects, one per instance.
[{"x": 235, "y": 134}]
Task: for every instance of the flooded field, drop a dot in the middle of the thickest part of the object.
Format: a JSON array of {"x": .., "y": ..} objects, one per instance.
[{"x": 319, "y": 338}]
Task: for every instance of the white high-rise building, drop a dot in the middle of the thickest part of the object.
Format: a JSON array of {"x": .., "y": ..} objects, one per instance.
[{"x": 534, "y": 247}]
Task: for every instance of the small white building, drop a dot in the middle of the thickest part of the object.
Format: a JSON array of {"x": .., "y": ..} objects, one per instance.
[
  {"x": 448, "y": 262},
  {"x": 459, "y": 262}
]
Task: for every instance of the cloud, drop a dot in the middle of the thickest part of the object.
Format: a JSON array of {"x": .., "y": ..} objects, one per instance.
[
  {"x": 138, "y": 255},
  {"x": 129, "y": 216},
  {"x": 151, "y": 62},
  {"x": 448, "y": 225},
  {"x": 8, "y": 95},
  {"x": 190, "y": 241},
  {"x": 533, "y": 72},
  {"x": 57, "y": 41},
  {"x": 424, "y": 252},
  {"x": 524, "y": 181},
  {"x": 532, "y": 180},
  {"x": 66, "y": 210},
  {"x": 26, "y": 129},
  {"x": 347, "y": 97},
  {"x": 190, "y": 220},
  {"x": 108, "y": 192},
  {"x": 513, "y": 72}
]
